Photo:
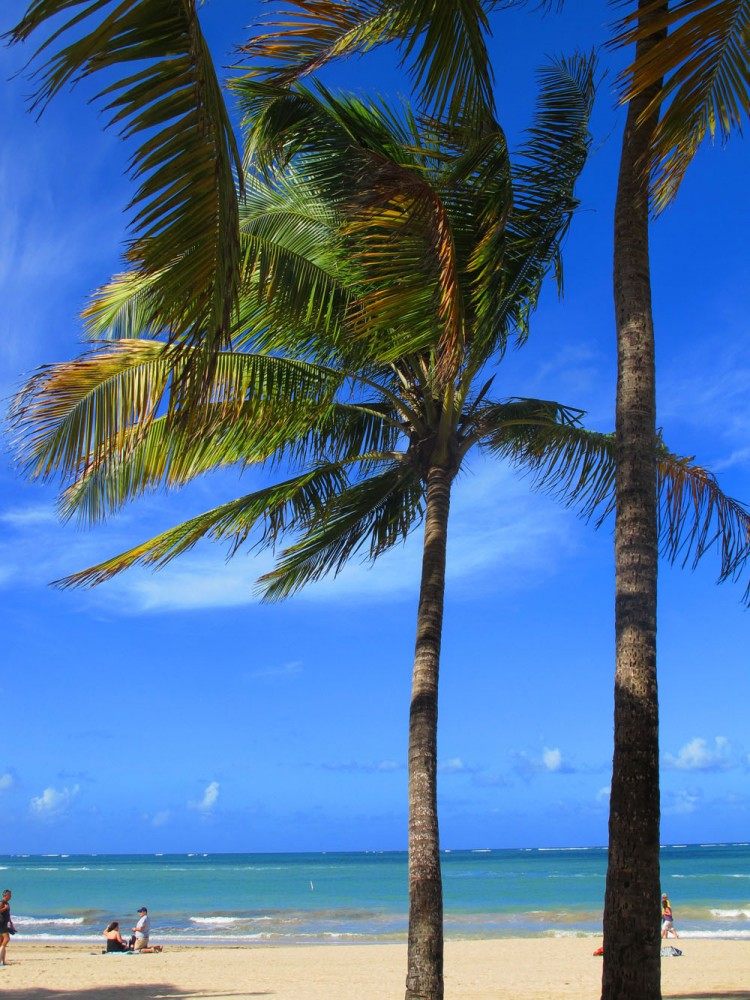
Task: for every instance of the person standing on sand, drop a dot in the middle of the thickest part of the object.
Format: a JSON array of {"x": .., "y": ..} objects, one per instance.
[
  {"x": 667, "y": 925},
  {"x": 5, "y": 924}
]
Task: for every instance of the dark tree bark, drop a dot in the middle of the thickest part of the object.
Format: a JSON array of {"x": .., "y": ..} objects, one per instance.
[
  {"x": 424, "y": 979},
  {"x": 632, "y": 969}
]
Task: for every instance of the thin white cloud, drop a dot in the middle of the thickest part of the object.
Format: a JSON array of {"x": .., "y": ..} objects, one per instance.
[
  {"x": 378, "y": 767},
  {"x": 6, "y": 782},
  {"x": 697, "y": 755},
  {"x": 291, "y": 669},
  {"x": 453, "y": 766},
  {"x": 209, "y": 800},
  {"x": 52, "y": 803},
  {"x": 161, "y": 818},
  {"x": 501, "y": 536},
  {"x": 552, "y": 759},
  {"x": 23, "y": 517},
  {"x": 604, "y": 793},
  {"x": 681, "y": 803}
]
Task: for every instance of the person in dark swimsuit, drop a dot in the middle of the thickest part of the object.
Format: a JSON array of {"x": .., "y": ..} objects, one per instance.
[
  {"x": 114, "y": 938},
  {"x": 5, "y": 924}
]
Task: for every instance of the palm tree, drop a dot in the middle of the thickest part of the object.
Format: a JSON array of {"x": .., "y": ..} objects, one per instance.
[
  {"x": 708, "y": 58},
  {"x": 401, "y": 274}
]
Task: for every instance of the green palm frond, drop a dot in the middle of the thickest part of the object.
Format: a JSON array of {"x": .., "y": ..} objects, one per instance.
[
  {"x": 79, "y": 416},
  {"x": 577, "y": 466},
  {"x": 185, "y": 226},
  {"x": 277, "y": 508},
  {"x": 67, "y": 412},
  {"x": 371, "y": 161},
  {"x": 705, "y": 61},
  {"x": 297, "y": 279},
  {"x": 544, "y": 179},
  {"x": 696, "y": 517},
  {"x": 375, "y": 513},
  {"x": 315, "y": 32},
  {"x": 122, "y": 309},
  {"x": 443, "y": 42}
]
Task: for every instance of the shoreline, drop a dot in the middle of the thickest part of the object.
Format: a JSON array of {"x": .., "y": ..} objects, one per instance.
[{"x": 489, "y": 969}]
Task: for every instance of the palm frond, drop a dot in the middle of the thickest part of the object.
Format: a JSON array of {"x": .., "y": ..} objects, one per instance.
[
  {"x": 544, "y": 178},
  {"x": 375, "y": 513},
  {"x": 277, "y": 508},
  {"x": 697, "y": 517},
  {"x": 443, "y": 42},
  {"x": 705, "y": 63},
  {"x": 185, "y": 224},
  {"x": 575, "y": 465},
  {"x": 312, "y": 33},
  {"x": 79, "y": 416},
  {"x": 370, "y": 160}
]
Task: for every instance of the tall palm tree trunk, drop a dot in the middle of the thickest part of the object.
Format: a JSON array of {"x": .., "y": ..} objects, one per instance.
[
  {"x": 424, "y": 979},
  {"x": 631, "y": 907}
]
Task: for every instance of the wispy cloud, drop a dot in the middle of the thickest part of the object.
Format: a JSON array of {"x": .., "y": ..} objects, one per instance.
[
  {"x": 378, "y": 767},
  {"x": 501, "y": 535},
  {"x": 7, "y": 782},
  {"x": 455, "y": 765},
  {"x": 681, "y": 803},
  {"x": 697, "y": 755},
  {"x": 209, "y": 800},
  {"x": 160, "y": 818},
  {"x": 24, "y": 517},
  {"x": 284, "y": 670},
  {"x": 53, "y": 803}
]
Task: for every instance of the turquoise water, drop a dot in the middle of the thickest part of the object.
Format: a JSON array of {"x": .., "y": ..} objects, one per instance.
[{"x": 308, "y": 898}]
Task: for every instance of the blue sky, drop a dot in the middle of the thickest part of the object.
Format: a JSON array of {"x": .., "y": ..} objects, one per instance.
[{"x": 172, "y": 712}]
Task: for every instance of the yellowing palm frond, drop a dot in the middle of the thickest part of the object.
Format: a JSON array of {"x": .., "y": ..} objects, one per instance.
[
  {"x": 443, "y": 42},
  {"x": 705, "y": 63},
  {"x": 185, "y": 225}
]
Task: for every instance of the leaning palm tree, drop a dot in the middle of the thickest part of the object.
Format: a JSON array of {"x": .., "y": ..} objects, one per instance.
[{"x": 387, "y": 262}]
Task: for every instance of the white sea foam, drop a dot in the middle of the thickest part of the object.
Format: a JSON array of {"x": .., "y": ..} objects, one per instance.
[
  {"x": 731, "y": 914},
  {"x": 223, "y": 921},
  {"x": 48, "y": 921},
  {"x": 728, "y": 935},
  {"x": 215, "y": 920}
]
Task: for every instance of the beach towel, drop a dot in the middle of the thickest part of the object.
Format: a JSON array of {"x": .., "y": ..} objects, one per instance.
[{"x": 669, "y": 951}]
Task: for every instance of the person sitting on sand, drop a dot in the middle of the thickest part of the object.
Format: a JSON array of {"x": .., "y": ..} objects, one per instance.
[
  {"x": 115, "y": 942},
  {"x": 667, "y": 926}
]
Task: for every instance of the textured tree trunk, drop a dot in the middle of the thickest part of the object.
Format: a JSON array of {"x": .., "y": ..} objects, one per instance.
[
  {"x": 632, "y": 969},
  {"x": 424, "y": 979}
]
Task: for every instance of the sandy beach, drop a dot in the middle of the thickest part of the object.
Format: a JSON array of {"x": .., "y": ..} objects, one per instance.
[{"x": 508, "y": 969}]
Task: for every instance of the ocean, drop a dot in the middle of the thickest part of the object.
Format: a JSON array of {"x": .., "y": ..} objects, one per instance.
[{"x": 237, "y": 899}]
